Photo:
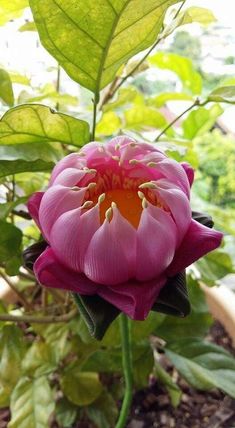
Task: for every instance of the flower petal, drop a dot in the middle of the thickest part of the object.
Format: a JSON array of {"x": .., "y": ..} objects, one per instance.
[
  {"x": 133, "y": 298},
  {"x": 198, "y": 241},
  {"x": 71, "y": 177},
  {"x": 51, "y": 273},
  {"x": 33, "y": 206},
  {"x": 189, "y": 171},
  {"x": 71, "y": 235},
  {"x": 178, "y": 203},
  {"x": 156, "y": 243},
  {"x": 105, "y": 260},
  {"x": 174, "y": 172},
  {"x": 73, "y": 160},
  {"x": 57, "y": 200}
]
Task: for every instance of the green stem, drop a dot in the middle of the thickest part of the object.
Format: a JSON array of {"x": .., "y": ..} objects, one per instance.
[
  {"x": 96, "y": 100},
  {"x": 196, "y": 103},
  {"x": 127, "y": 370}
]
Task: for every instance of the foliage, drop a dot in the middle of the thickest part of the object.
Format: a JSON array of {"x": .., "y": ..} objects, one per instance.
[{"x": 57, "y": 371}]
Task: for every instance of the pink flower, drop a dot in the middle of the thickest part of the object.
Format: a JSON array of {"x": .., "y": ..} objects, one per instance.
[{"x": 118, "y": 223}]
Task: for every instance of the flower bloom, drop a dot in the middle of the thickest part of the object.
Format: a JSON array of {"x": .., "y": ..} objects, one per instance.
[{"x": 118, "y": 223}]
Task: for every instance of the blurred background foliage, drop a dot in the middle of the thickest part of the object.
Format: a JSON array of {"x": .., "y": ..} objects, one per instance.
[{"x": 51, "y": 370}]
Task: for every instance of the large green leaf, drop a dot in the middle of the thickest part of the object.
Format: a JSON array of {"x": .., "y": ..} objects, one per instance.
[
  {"x": 37, "y": 123},
  {"x": 92, "y": 39},
  {"x": 39, "y": 360},
  {"x": 201, "y": 120},
  {"x": 215, "y": 266},
  {"x": 16, "y": 158},
  {"x": 81, "y": 388},
  {"x": 103, "y": 412},
  {"x": 6, "y": 91},
  {"x": 141, "y": 117},
  {"x": 204, "y": 365},
  {"x": 11, "y": 353},
  {"x": 10, "y": 241},
  {"x": 183, "y": 67},
  {"x": 224, "y": 94},
  {"x": 163, "y": 98},
  {"x": 32, "y": 403},
  {"x": 11, "y": 9}
]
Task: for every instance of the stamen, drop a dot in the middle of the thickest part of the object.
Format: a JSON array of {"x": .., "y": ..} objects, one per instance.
[
  {"x": 141, "y": 194},
  {"x": 152, "y": 164},
  {"x": 101, "y": 198},
  {"x": 117, "y": 146},
  {"x": 89, "y": 170},
  {"x": 133, "y": 161},
  {"x": 101, "y": 149},
  {"x": 113, "y": 205},
  {"x": 81, "y": 154},
  {"x": 86, "y": 205},
  {"x": 148, "y": 185},
  {"x": 116, "y": 158},
  {"x": 144, "y": 203},
  {"x": 108, "y": 214},
  {"x": 76, "y": 188},
  {"x": 133, "y": 145},
  {"x": 91, "y": 185}
]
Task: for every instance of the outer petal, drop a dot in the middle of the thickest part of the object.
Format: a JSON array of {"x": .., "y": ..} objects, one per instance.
[
  {"x": 189, "y": 171},
  {"x": 34, "y": 205},
  {"x": 71, "y": 235},
  {"x": 178, "y": 203},
  {"x": 105, "y": 260},
  {"x": 71, "y": 161},
  {"x": 198, "y": 241},
  {"x": 71, "y": 177},
  {"x": 174, "y": 172},
  {"x": 56, "y": 201},
  {"x": 156, "y": 243},
  {"x": 51, "y": 273},
  {"x": 133, "y": 298}
]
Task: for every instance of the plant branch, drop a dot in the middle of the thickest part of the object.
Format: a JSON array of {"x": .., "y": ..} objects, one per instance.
[
  {"x": 196, "y": 103},
  {"x": 39, "y": 320},
  {"x": 21, "y": 298},
  {"x": 127, "y": 370}
]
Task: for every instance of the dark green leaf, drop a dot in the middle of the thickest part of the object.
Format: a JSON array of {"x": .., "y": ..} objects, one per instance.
[
  {"x": 32, "y": 403},
  {"x": 6, "y": 91},
  {"x": 37, "y": 123},
  {"x": 204, "y": 365},
  {"x": 165, "y": 379},
  {"x": 173, "y": 328},
  {"x": 215, "y": 266},
  {"x": 6, "y": 208},
  {"x": 110, "y": 32},
  {"x": 10, "y": 241},
  {"x": 17, "y": 158}
]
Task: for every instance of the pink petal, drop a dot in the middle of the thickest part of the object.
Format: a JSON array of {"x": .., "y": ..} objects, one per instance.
[
  {"x": 71, "y": 161},
  {"x": 189, "y": 171},
  {"x": 56, "y": 201},
  {"x": 71, "y": 235},
  {"x": 71, "y": 177},
  {"x": 51, "y": 273},
  {"x": 178, "y": 203},
  {"x": 174, "y": 172},
  {"x": 105, "y": 260},
  {"x": 33, "y": 206},
  {"x": 133, "y": 298},
  {"x": 198, "y": 241},
  {"x": 156, "y": 243}
]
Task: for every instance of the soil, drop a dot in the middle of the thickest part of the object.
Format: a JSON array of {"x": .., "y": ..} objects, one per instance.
[{"x": 152, "y": 408}]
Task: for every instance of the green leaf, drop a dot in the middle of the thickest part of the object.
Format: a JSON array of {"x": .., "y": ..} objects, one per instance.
[
  {"x": 28, "y": 26},
  {"x": 162, "y": 99},
  {"x": 141, "y": 117},
  {"x": 19, "y": 78},
  {"x": 224, "y": 94},
  {"x": 37, "y": 123},
  {"x": 141, "y": 330},
  {"x": 103, "y": 412},
  {"x": 16, "y": 158},
  {"x": 203, "y": 364},
  {"x": 109, "y": 124},
  {"x": 11, "y": 9},
  {"x": 11, "y": 352},
  {"x": 66, "y": 413},
  {"x": 200, "y": 121},
  {"x": 183, "y": 67},
  {"x": 129, "y": 95},
  {"x": 215, "y": 266},
  {"x": 81, "y": 388},
  {"x": 39, "y": 360},
  {"x": 10, "y": 241},
  {"x": 165, "y": 379},
  {"x": 197, "y": 14},
  {"x": 32, "y": 403},
  {"x": 6, "y": 91},
  {"x": 143, "y": 367},
  {"x": 56, "y": 336},
  {"x": 109, "y": 31}
]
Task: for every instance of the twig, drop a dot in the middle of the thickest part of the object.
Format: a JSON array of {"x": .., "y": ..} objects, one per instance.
[
  {"x": 196, "y": 103},
  {"x": 17, "y": 292},
  {"x": 39, "y": 320},
  {"x": 95, "y": 102},
  {"x": 22, "y": 214}
]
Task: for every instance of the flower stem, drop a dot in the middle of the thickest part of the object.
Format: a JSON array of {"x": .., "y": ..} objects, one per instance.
[{"x": 127, "y": 370}]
